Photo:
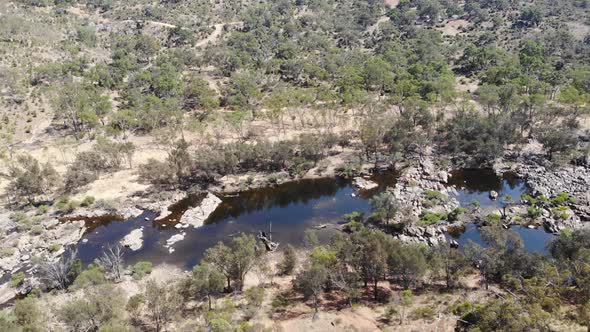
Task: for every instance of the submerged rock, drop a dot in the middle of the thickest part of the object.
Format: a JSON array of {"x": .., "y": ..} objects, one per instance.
[
  {"x": 133, "y": 240},
  {"x": 174, "y": 239},
  {"x": 197, "y": 215}
]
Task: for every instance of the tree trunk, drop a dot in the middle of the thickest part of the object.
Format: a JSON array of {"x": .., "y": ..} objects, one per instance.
[
  {"x": 315, "y": 306},
  {"x": 375, "y": 289}
]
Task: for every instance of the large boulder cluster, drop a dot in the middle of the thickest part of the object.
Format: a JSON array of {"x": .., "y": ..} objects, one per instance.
[{"x": 412, "y": 185}]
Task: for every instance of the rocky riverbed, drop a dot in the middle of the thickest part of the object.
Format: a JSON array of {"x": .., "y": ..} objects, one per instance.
[
  {"x": 544, "y": 180},
  {"x": 50, "y": 242}
]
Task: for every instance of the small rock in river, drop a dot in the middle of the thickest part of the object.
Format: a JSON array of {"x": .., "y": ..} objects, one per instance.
[{"x": 493, "y": 195}]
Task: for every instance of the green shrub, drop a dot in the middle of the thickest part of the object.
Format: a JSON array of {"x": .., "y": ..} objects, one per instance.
[
  {"x": 93, "y": 275},
  {"x": 347, "y": 171},
  {"x": 42, "y": 209},
  {"x": 19, "y": 217},
  {"x": 134, "y": 303},
  {"x": 87, "y": 201},
  {"x": 5, "y": 252},
  {"x": 300, "y": 166},
  {"x": 273, "y": 179},
  {"x": 219, "y": 325},
  {"x": 390, "y": 312},
  {"x": 107, "y": 205},
  {"x": 353, "y": 216},
  {"x": 353, "y": 226},
  {"x": 493, "y": 218},
  {"x": 456, "y": 213},
  {"x": 528, "y": 199},
  {"x": 279, "y": 302},
  {"x": 24, "y": 225},
  {"x": 427, "y": 313},
  {"x": 435, "y": 195},
  {"x": 550, "y": 304},
  {"x": 141, "y": 269},
  {"x": 62, "y": 201},
  {"x": 255, "y": 296},
  {"x": 462, "y": 308},
  {"x": 250, "y": 180},
  {"x": 65, "y": 205},
  {"x": 562, "y": 198},
  {"x": 55, "y": 247},
  {"x": 430, "y": 218},
  {"x": 37, "y": 230},
  {"x": 533, "y": 212},
  {"x": 562, "y": 212},
  {"x": 28, "y": 315},
  {"x": 287, "y": 265},
  {"x": 17, "y": 279},
  {"x": 434, "y": 198}
]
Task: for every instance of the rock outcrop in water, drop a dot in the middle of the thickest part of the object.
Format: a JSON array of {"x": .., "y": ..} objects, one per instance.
[
  {"x": 412, "y": 191},
  {"x": 414, "y": 182},
  {"x": 196, "y": 216},
  {"x": 364, "y": 184},
  {"x": 193, "y": 217},
  {"x": 133, "y": 240}
]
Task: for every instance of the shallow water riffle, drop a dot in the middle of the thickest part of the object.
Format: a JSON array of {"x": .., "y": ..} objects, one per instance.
[
  {"x": 534, "y": 239},
  {"x": 291, "y": 208}
]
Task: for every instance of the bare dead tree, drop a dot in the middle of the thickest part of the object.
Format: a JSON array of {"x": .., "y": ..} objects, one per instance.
[
  {"x": 111, "y": 260},
  {"x": 346, "y": 282},
  {"x": 61, "y": 273}
]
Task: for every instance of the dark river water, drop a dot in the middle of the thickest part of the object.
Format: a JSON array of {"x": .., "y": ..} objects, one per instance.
[{"x": 292, "y": 208}]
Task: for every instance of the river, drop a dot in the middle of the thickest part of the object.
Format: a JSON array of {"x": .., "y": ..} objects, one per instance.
[{"x": 292, "y": 208}]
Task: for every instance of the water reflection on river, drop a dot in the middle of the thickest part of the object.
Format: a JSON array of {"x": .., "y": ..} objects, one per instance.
[
  {"x": 534, "y": 240},
  {"x": 291, "y": 207}
]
